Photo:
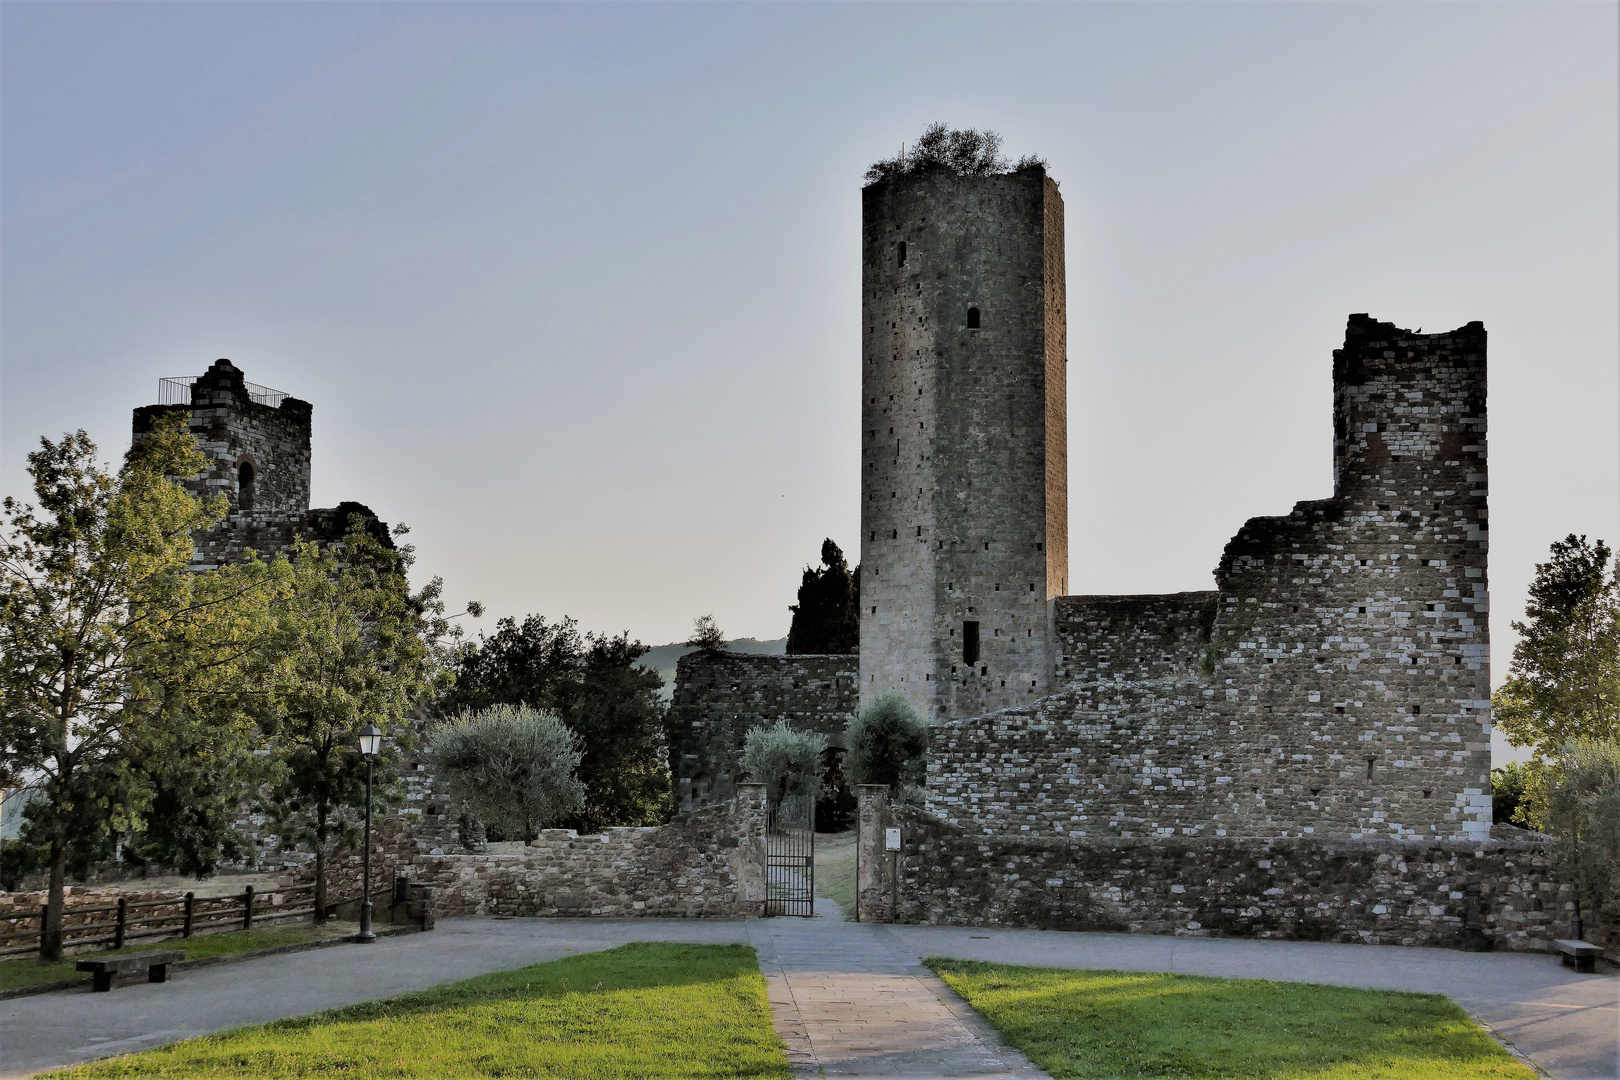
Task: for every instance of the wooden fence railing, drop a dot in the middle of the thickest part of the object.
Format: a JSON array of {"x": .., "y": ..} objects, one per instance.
[{"x": 113, "y": 925}]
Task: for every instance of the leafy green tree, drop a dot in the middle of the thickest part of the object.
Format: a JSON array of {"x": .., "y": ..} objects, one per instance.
[
  {"x": 1583, "y": 805},
  {"x": 597, "y": 686},
  {"x": 887, "y": 744},
  {"x": 827, "y": 617},
  {"x": 1564, "y": 682},
  {"x": 510, "y": 766},
  {"x": 1507, "y": 791},
  {"x": 349, "y": 645},
  {"x": 787, "y": 762},
  {"x": 114, "y": 656}
]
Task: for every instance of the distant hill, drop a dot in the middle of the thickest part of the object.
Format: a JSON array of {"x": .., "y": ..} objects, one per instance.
[{"x": 663, "y": 658}]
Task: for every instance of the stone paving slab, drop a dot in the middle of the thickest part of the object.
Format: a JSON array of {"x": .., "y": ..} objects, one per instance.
[{"x": 848, "y": 1005}]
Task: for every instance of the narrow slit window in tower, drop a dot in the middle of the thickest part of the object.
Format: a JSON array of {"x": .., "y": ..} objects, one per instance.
[
  {"x": 973, "y": 318},
  {"x": 902, "y": 260},
  {"x": 970, "y": 642},
  {"x": 244, "y": 486}
]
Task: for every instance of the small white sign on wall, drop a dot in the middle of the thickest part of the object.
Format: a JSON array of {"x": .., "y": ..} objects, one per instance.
[{"x": 891, "y": 839}]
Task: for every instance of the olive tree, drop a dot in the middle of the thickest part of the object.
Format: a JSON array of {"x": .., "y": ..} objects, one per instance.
[
  {"x": 787, "y": 762},
  {"x": 886, "y": 744},
  {"x": 510, "y": 766}
]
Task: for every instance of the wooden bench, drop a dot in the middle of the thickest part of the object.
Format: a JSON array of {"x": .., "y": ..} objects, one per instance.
[
  {"x": 1580, "y": 955},
  {"x": 156, "y": 965}
]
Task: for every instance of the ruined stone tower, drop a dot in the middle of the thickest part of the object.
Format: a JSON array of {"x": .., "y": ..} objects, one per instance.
[
  {"x": 964, "y": 474},
  {"x": 258, "y": 438},
  {"x": 259, "y": 443}
]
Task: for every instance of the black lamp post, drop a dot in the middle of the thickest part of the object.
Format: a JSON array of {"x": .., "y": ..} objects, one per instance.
[{"x": 370, "y": 747}]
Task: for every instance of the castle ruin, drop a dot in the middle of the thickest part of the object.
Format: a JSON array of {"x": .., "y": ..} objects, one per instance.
[
  {"x": 1335, "y": 683},
  {"x": 259, "y": 443}
]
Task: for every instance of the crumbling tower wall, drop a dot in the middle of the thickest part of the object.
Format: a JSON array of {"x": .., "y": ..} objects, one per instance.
[
  {"x": 1336, "y": 684},
  {"x": 964, "y": 475}
]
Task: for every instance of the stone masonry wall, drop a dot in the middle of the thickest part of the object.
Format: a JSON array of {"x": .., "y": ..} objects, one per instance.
[
  {"x": 1487, "y": 894},
  {"x": 706, "y": 864},
  {"x": 1339, "y": 687},
  {"x": 1103, "y": 639},
  {"x": 719, "y": 696}
]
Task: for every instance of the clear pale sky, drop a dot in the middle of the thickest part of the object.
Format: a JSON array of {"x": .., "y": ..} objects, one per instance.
[{"x": 574, "y": 289}]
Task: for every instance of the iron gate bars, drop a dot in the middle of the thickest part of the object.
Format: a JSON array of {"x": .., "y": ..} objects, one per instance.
[{"x": 790, "y": 856}]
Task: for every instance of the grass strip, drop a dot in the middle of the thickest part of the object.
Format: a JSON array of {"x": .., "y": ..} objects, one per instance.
[
  {"x": 641, "y": 1010},
  {"x": 30, "y": 972},
  {"x": 1096, "y": 1024},
  {"x": 835, "y": 868}
]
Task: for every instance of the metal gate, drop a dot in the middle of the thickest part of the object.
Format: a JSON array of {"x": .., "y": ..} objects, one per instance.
[{"x": 790, "y": 857}]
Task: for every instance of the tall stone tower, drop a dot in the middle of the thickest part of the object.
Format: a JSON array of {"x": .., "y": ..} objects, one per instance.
[{"x": 964, "y": 471}]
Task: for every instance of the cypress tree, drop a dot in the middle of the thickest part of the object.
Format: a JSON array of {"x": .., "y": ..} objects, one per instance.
[{"x": 827, "y": 617}]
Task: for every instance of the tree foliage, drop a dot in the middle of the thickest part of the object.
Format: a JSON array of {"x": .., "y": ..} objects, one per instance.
[
  {"x": 596, "y": 686},
  {"x": 349, "y": 645},
  {"x": 510, "y": 766},
  {"x": 1507, "y": 792},
  {"x": 1564, "y": 682},
  {"x": 1583, "y": 806},
  {"x": 967, "y": 152},
  {"x": 827, "y": 617},
  {"x": 787, "y": 762},
  {"x": 887, "y": 743},
  {"x": 115, "y": 658},
  {"x": 706, "y": 635}
]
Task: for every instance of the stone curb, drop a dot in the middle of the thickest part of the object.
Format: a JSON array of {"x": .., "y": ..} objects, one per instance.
[
  {"x": 211, "y": 961},
  {"x": 1496, "y": 1036}
]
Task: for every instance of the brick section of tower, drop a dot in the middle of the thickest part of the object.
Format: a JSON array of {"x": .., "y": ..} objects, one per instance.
[{"x": 964, "y": 475}]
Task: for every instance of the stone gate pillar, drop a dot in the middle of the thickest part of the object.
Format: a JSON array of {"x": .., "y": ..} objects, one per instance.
[
  {"x": 874, "y": 877},
  {"x": 749, "y": 806}
]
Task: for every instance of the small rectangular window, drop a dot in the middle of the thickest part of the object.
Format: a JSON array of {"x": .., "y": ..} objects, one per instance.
[{"x": 970, "y": 642}]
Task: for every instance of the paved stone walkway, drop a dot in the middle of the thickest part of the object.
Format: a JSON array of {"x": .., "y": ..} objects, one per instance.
[
  {"x": 849, "y": 1003},
  {"x": 851, "y": 1000}
]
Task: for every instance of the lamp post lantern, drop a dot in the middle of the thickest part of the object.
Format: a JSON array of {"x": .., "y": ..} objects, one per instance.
[{"x": 370, "y": 747}]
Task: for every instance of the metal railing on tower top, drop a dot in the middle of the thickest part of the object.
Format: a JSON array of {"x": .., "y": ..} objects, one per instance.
[{"x": 176, "y": 390}]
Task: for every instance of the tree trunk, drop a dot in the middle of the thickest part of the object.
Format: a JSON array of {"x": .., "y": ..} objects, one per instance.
[
  {"x": 51, "y": 943},
  {"x": 320, "y": 883}
]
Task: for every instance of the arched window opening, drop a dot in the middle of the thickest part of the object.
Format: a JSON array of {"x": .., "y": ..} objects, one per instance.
[
  {"x": 902, "y": 260},
  {"x": 973, "y": 318},
  {"x": 244, "y": 486}
]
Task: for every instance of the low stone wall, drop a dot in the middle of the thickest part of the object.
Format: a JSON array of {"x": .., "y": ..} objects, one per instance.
[
  {"x": 1488, "y": 894},
  {"x": 706, "y": 864}
]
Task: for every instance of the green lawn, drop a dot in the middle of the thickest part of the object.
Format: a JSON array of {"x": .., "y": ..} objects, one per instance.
[
  {"x": 643, "y": 1010},
  {"x": 1119, "y": 1024},
  {"x": 30, "y": 972},
  {"x": 835, "y": 868}
]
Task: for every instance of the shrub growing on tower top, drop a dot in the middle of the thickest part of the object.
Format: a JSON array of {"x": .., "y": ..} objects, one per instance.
[
  {"x": 967, "y": 152},
  {"x": 886, "y": 744}
]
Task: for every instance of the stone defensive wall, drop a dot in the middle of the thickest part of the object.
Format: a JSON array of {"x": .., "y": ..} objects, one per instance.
[
  {"x": 1337, "y": 683},
  {"x": 719, "y": 696},
  {"x": 1116, "y": 639},
  {"x": 706, "y": 864},
  {"x": 1488, "y": 894}
]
